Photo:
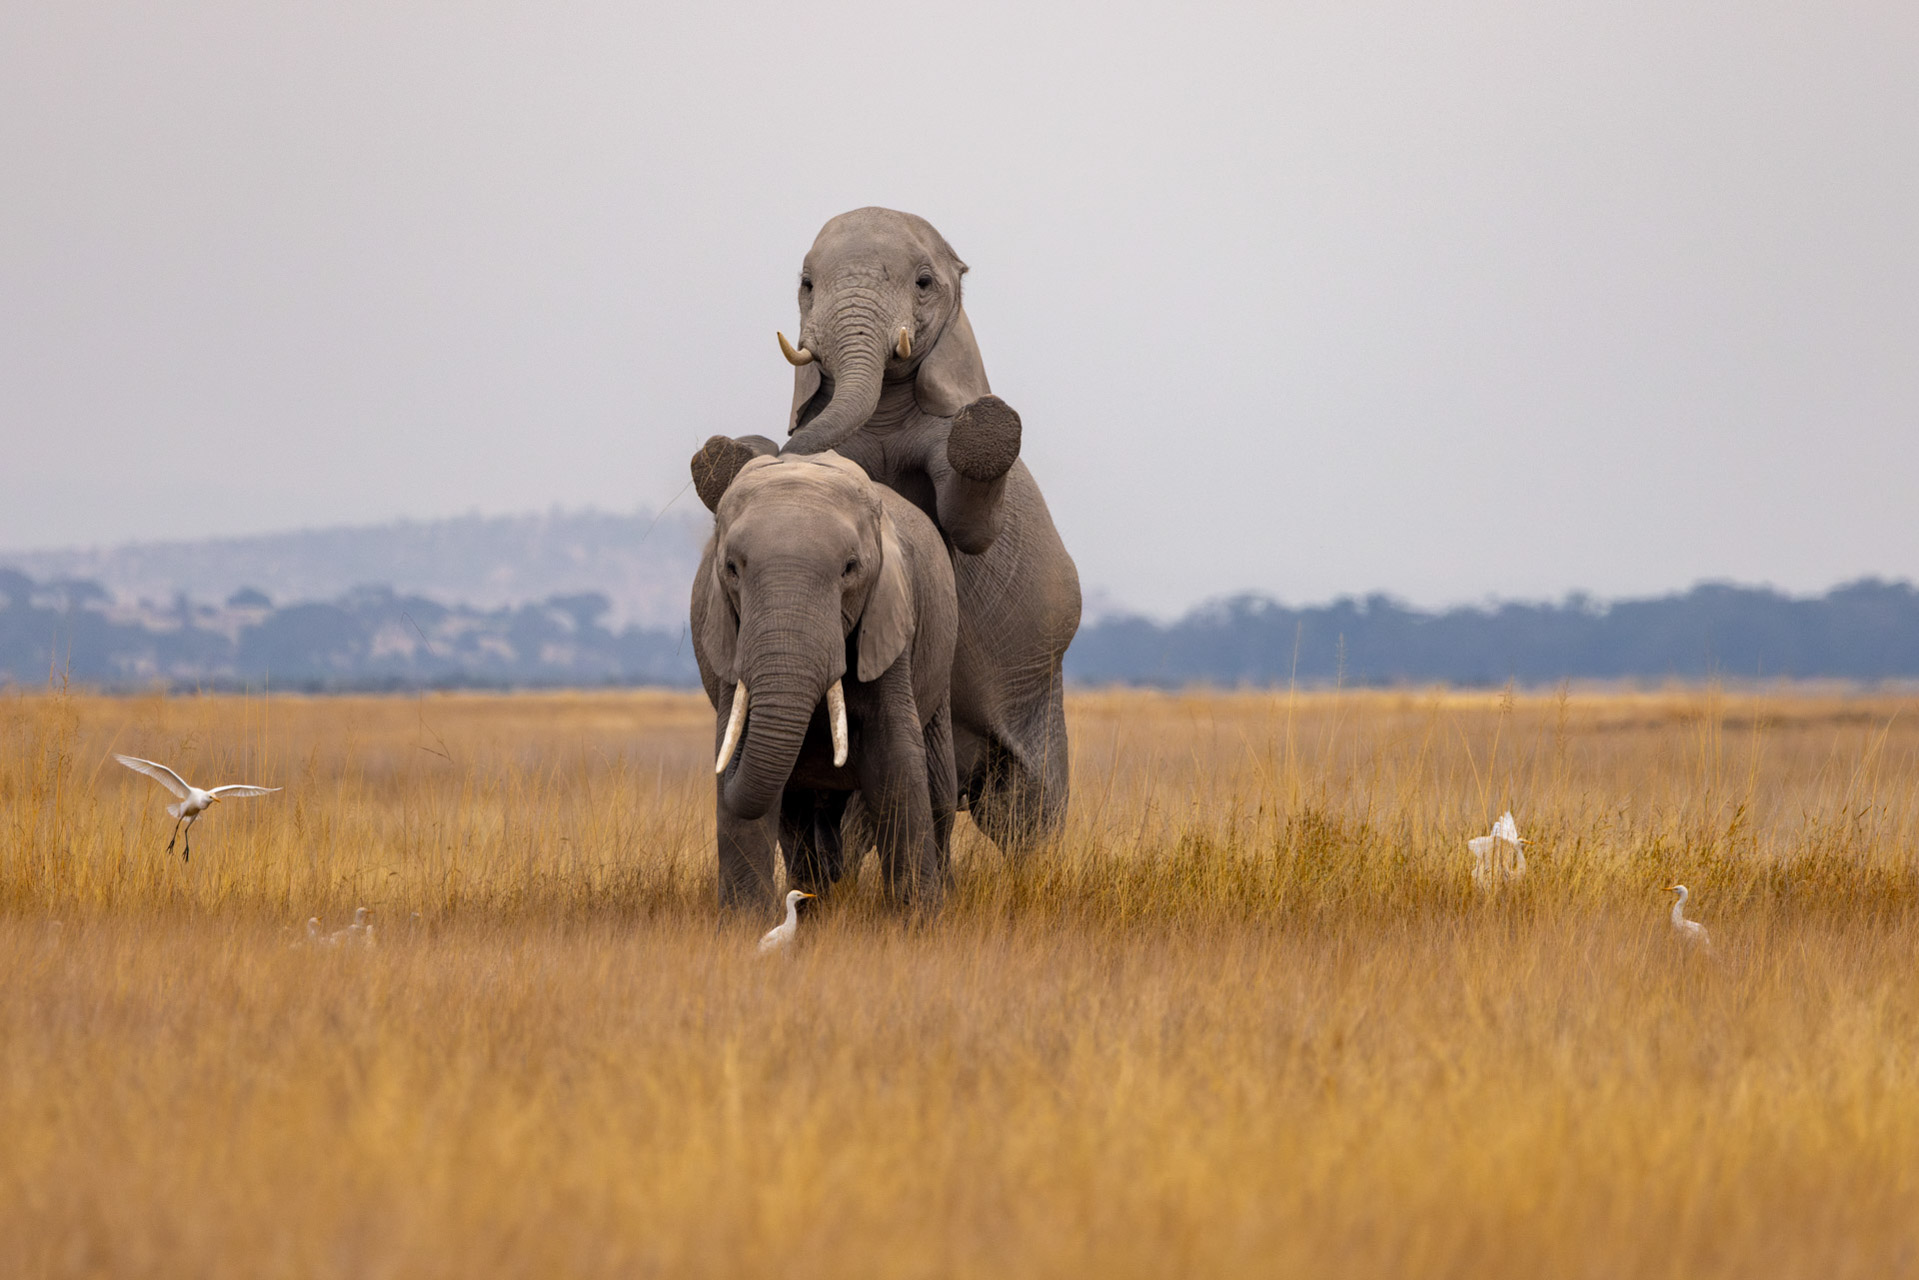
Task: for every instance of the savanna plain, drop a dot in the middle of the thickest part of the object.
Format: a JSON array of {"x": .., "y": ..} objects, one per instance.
[{"x": 1248, "y": 1014}]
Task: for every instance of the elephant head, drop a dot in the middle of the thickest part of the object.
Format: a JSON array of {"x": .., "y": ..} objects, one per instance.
[
  {"x": 806, "y": 566},
  {"x": 879, "y": 304}
]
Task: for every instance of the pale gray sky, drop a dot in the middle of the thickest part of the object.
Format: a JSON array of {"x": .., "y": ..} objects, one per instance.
[{"x": 1444, "y": 300}]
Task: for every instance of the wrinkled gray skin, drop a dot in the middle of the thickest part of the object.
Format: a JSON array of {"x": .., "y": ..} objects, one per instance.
[
  {"x": 815, "y": 574},
  {"x": 927, "y": 426}
]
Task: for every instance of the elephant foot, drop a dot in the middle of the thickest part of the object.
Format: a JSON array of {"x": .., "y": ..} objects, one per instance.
[
  {"x": 984, "y": 441},
  {"x": 720, "y": 459},
  {"x": 1015, "y": 805}
]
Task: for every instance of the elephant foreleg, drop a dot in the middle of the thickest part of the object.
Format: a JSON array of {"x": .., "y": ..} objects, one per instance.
[
  {"x": 893, "y": 775},
  {"x": 969, "y": 474},
  {"x": 810, "y": 838},
  {"x": 746, "y": 847}
]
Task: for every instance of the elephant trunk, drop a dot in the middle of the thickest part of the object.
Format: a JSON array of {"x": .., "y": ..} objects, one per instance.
[
  {"x": 770, "y": 745},
  {"x": 852, "y": 346},
  {"x": 794, "y": 651}
]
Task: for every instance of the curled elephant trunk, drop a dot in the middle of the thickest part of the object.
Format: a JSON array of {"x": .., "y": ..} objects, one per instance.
[
  {"x": 769, "y": 744},
  {"x": 854, "y": 357}
]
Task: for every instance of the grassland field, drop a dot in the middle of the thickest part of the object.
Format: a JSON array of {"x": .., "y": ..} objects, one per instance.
[{"x": 1248, "y": 1015}]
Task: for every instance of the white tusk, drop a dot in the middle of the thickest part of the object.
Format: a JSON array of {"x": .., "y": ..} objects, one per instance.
[
  {"x": 734, "y": 723},
  {"x": 796, "y": 358},
  {"x": 836, "y": 712},
  {"x": 905, "y": 345}
]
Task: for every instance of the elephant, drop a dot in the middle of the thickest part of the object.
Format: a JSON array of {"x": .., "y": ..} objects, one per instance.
[
  {"x": 823, "y": 623},
  {"x": 888, "y": 374}
]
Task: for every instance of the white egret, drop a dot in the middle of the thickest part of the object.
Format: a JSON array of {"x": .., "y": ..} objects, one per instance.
[
  {"x": 193, "y": 801},
  {"x": 357, "y": 934},
  {"x": 1498, "y": 854},
  {"x": 781, "y": 934},
  {"x": 1690, "y": 932}
]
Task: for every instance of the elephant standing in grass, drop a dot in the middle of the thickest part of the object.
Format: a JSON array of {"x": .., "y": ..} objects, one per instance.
[
  {"x": 823, "y": 623},
  {"x": 887, "y": 373}
]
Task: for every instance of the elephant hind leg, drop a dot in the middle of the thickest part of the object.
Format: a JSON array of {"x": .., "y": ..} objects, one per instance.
[
  {"x": 943, "y": 788},
  {"x": 1011, "y": 804},
  {"x": 1018, "y": 793}
]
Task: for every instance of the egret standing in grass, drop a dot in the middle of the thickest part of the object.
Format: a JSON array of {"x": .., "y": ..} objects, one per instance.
[
  {"x": 781, "y": 934},
  {"x": 1499, "y": 853},
  {"x": 357, "y": 934},
  {"x": 1690, "y": 932},
  {"x": 193, "y": 801}
]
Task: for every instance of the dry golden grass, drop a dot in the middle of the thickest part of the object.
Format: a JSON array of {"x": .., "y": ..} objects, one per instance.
[{"x": 1249, "y": 1015}]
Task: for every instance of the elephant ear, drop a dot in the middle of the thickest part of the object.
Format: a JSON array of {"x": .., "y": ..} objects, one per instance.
[
  {"x": 716, "y": 629},
  {"x": 952, "y": 374},
  {"x": 887, "y": 623},
  {"x": 806, "y": 385}
]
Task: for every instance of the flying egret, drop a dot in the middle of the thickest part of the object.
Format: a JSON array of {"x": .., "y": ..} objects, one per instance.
[
  {"x": 781, "y": 934},
  {"x": 1499, "y": 853},
  {"x": 193, "y": 801},
  {"x": 1690, "y": 932}
]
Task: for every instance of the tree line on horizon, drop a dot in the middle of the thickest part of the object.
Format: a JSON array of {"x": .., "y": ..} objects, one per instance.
[
  {"x": 375, "y": 638},
  {"x": 1862, "y": 631}
]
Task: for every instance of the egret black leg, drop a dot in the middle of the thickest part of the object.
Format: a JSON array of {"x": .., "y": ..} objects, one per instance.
[
  {"x": 174, "y": 838},
  {"x": 186, "y": 850}
]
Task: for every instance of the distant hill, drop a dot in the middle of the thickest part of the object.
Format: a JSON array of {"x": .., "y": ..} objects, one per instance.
[
  {"x": 1866, "y": 630},
  {"x": 642, "y": 566},
  {"x": 368, "y": 638}
]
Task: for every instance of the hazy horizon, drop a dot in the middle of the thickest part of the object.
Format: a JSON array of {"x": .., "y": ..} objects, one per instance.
[
  {"x": 481, "y": 573},
  {"x": 1322, "y": 301}
]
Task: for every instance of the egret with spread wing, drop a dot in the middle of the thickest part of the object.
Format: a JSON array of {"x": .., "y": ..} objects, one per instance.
[
  {"x": 1499, "y": 854},
  {"x": 193, "y": 801}
]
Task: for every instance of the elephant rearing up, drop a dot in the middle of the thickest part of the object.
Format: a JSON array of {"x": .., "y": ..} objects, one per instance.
[{"x": 889, "y": 375}]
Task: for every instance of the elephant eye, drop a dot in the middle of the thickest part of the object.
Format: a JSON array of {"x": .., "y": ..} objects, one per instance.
[
  {"x": 732, "y": 569},
  {"x": 926, "y": 280},
  {"x": 852, "y": 567},
  {"x": 806, "y": 283}
]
